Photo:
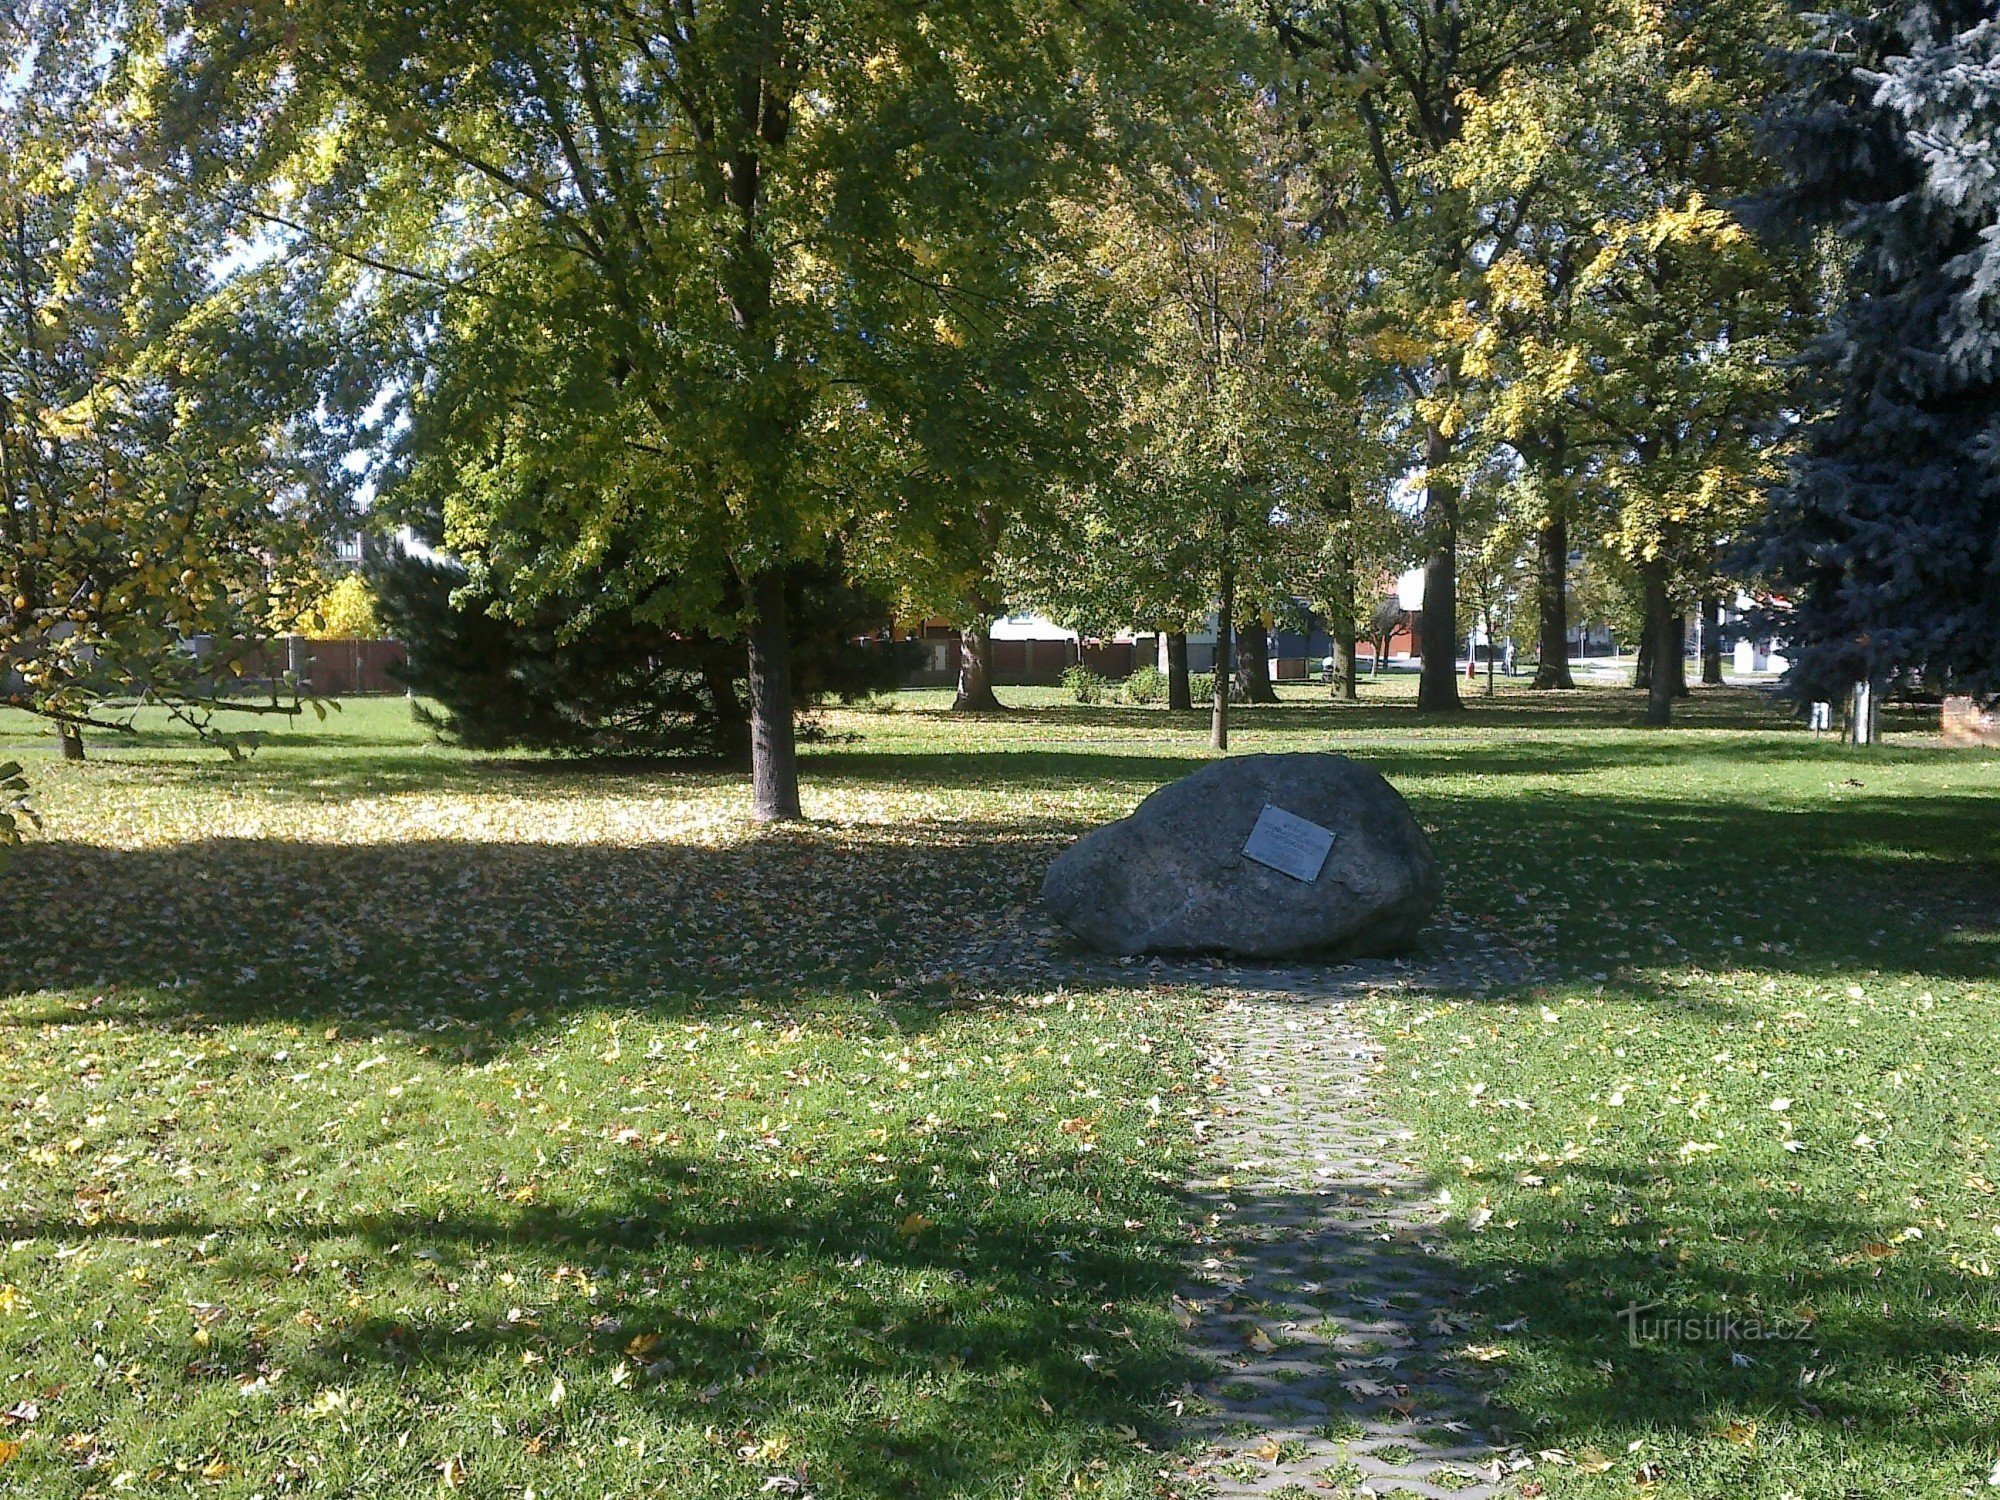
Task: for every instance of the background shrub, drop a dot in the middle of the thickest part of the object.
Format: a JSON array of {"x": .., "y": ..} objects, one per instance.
[
  {"x": 1085, "y": 685},
  {"x": 1146, "y": 685}
]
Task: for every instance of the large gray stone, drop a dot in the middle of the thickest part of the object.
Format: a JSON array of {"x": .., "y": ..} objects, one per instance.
[{"x": 1172, "y": 877}]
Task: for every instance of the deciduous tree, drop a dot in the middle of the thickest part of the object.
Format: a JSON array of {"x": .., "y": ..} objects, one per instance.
[
  {"x": 1632, "y": 345},
  {"x": 663, "y": 282},
  {"x": 1395, "y": 79},
  {"x": 161, "y": 498}
]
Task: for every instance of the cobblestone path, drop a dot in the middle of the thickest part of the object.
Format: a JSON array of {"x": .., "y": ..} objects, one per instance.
[{"x": 1337, "y": 1333}]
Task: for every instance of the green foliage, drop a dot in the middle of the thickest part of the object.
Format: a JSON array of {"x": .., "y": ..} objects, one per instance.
[
  {"x": 617, "y": 683},
  {"x": 1241, "y": 452},
  {"x": 1201, "y": 687},
  {"x": 162, "y": 480},
  {"x": 1084, "y": 685},
  {"x": 1628, "y": 357},
  {"x": 725, "y": 289},
  {"x": 1146, "y": 685},
  {"x": 1880, "y": 541}
]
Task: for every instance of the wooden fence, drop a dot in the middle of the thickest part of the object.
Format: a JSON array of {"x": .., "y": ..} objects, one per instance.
[
  {"x": 1022, "y": 663},
  {"x": 328, "y": 669}
]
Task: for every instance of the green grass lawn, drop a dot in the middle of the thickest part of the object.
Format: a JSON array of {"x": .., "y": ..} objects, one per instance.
[{"x": 385, "y": 1119}]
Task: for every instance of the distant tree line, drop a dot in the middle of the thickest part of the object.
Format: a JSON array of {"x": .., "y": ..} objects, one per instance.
[{"x": 702, "y": 340}]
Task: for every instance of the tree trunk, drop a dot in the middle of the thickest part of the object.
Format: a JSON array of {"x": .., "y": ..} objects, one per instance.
[
  {"x": 71, "y": 736},
  {"x": 1180, "y": 696},
  {"x": 1253, "y": 663},
  {"x": 1225, "y": 665},
  {"x": 975, "y": 671},
  {"x": 1341, "y": 630},
  {"x": 1711, "y": 642},
  {"x": 1437, "y": 683},
  {"x": 1864, "y": 726},
  {"x": 1346, "y": 664},
  {"x": 1677, "y": 658},
  {"x": 774, "y": 754},
  {"x": 1552, "y": 561},
  {"x": 1666, "y": 647},
  {"x": 1642, "y": 660}
]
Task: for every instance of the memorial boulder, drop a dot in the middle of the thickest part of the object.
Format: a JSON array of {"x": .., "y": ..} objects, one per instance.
[{"x": 1259, "y": 856}]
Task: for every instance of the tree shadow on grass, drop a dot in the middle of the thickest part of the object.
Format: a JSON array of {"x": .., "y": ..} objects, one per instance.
[
  {"x": 454, "y": 938},
  {"x": 696, "y": 1289},
  {"x": 1889, "y": 1328},
  {"x": 1777, "y": 1315},
  {"x": 1908, "y": 883}
]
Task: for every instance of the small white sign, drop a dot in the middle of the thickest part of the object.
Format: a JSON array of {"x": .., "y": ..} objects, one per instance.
[{"x": 1288, "y": 844}]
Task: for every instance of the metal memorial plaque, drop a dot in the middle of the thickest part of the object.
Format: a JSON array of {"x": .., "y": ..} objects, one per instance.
[{"x": 1288, "y": 844}]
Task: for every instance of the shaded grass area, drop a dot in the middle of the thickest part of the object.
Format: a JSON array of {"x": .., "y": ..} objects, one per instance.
[
  {"x": 384, "y": 1118},
  {"x": 1756, "y": 1096},
  {"x": 668, "y": 1256},
  {"x": 1792, "y": 1178}
]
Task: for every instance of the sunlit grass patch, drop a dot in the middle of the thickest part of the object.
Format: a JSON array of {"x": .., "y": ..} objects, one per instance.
[{"x": 388, "y": 1120}]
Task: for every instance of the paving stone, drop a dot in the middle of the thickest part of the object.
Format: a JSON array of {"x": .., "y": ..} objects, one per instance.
[{"x": 1318, "y": 1291}]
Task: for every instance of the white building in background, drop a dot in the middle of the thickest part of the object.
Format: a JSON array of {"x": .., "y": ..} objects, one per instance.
[
  {"x": 1032, "y": 627},
  {"x": 1759, "y": 656},
  {"x": 1755, "y": 656}
]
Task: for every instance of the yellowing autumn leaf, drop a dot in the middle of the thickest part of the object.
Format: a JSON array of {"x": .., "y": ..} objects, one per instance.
[
  {"x": 769, "y": 1451},
  {"x": 915, "y": 1225},
  {"x": 9, "y": 1451}
]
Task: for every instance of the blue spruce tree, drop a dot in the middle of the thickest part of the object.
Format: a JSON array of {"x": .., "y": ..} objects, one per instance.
[{"x": 1883, "y": 544}]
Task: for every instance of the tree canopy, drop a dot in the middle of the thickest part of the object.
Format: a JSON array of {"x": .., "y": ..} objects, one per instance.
[
  {"x": 163, "y": 481},
  {"x": 1144, "y": 316},
  {"x": 1883, "y": 543},
  {"x": 702, "y": 288}
]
